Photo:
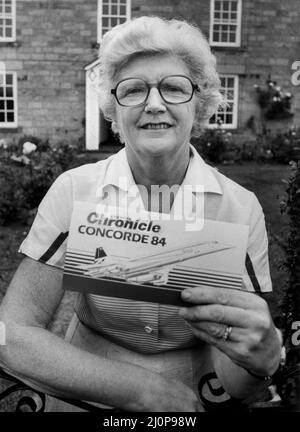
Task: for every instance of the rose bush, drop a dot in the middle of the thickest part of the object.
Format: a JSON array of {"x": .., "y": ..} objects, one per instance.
[{"x": 27, "y": 170}]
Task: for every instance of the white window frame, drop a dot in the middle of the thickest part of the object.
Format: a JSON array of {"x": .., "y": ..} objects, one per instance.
[
  {"x": 238, "y": 24},
  {"x": 11, "y": 16},
  {"x": 101, "y": 16},
  {"x": 14, "y": 124},
  {"x": 233, "y": 124}
]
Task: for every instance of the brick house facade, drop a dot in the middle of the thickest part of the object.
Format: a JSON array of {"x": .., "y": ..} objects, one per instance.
[{"x": 48, "y": 57}]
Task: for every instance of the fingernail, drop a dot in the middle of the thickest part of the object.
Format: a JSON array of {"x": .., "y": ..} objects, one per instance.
[{"x": 186, "y": 294}]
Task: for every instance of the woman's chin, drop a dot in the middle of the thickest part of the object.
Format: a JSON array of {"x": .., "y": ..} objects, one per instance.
[{"x": 158, "y": 147}]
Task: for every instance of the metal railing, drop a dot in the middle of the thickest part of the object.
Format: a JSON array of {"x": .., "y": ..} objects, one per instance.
[{"x": 35, "y": 401}]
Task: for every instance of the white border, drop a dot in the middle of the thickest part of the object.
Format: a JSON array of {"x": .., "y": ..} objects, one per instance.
[
  {"x": 239, "y": 26},
  {"x": 13, "y": 17},
  {"x": 234, "y": 123}
]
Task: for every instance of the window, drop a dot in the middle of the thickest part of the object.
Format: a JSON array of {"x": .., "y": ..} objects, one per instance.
[
  {"x": 225, "y": 22},
  {"x": 112, "y": 13},
  {"x": 227, "y": 117},
  {"x": 7, "y": 20},
  {"x": 8, "y": 99}
]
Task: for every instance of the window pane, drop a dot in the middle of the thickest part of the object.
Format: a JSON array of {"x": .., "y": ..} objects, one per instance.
[
  {"x": 122, "y": 20},
  {"x": 114, "y": 22},
  {"x": 105, "y": 22},
  {"x": 8, "y": 9},
  {"x": 226, "y": 5},
  {"x": 9, "y": 79},
  {"x": 9, "y": 92},
  {"x": 1, "y": 92},
  {"x": 230, "y": 108},
  {"x": 224, "y": 37},
  {"x": 229, "y": 119},
  {"x": 122, "y": 10},
  {"x": 233, "y": 5},
  {"x": 114, "y": 10},
  {"x": 2, "y": 117},
  {"x": 9, "y": 22},
  {"x": 8, "y": 32},
  {"x": 217, "y": 5},
  {"x": 10, "y": 104},
  {"x": 10, "y": 117},
  {"x": 215, "y": 37},
  {"x": 230, "y": 82},
  {"x": 229, "y": 94},
  {"x": 105, "y": 10},
  {"x": 232, "y": 37},
  {"x": 225, "y": 15},
  {"x": 1, "y": 104}
]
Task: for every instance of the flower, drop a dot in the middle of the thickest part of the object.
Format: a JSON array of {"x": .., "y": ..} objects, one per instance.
[
  {"x": 28, "y": 147},
  {"x": 3, "y": 144},
  {"x": 20, "y": 159}
]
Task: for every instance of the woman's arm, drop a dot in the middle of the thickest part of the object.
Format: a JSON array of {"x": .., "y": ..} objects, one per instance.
[{"x": 35, "y": 354}]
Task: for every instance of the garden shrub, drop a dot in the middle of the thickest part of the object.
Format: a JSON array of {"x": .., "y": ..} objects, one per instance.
[
  {"x": 213, "y": 144},
  {"x": 274, "y": 103},
  {"x": 27, "y": 170},
  {"x": 290, "y": 304},
  {"x": 220, "y": 146}
]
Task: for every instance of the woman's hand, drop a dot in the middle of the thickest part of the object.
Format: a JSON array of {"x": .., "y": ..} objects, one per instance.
[{"x": 236, "y": 322}]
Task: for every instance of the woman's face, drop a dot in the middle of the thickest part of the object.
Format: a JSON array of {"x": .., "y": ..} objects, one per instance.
[{"x": 155, "y": 128}]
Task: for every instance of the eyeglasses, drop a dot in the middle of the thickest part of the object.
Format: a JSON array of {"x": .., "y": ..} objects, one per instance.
[{"x": 174, "y": 89}]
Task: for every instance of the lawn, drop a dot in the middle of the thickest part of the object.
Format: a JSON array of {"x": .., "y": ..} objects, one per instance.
[{"x": 263, "y": 179}]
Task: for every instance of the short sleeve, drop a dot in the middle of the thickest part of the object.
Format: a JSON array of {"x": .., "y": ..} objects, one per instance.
[
  {"x": 47, "y": 238},
  {"x": 257, "y": 272}
]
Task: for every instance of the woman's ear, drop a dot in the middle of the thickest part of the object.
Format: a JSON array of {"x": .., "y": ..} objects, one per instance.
[{"x": 116, "y": 131}]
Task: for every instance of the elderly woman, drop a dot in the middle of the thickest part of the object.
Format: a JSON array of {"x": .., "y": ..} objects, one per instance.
[{"x": 158, "y": 85}]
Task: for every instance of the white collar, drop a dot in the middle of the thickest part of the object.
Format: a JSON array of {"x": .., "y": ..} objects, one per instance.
[{"x": 198, "y": 173}]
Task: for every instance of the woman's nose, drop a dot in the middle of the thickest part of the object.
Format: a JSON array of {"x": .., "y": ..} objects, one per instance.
[{"x": 155, "y": 102}]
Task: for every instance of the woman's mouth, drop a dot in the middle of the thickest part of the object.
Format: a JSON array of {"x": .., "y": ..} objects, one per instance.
[{"x": 156, "y": 126}]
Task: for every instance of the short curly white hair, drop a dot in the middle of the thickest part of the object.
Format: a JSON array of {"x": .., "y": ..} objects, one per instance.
[{"x": 153, "y": 35}]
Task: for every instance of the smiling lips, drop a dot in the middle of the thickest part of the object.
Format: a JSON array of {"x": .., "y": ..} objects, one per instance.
[{"x": 156, "y": 126}]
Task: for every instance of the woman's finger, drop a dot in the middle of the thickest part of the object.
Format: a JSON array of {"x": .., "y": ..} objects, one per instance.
[
  {"x": 223, "y": 296},
  {"x": 219, "y": 314},
  {"x": 218, "y": 331}
]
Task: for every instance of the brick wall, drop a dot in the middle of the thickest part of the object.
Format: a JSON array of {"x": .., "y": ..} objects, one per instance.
[{"x": 57, "y": 39}]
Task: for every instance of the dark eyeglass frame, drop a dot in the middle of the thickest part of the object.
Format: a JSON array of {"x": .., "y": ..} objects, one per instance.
[{"x": 195, "y": 87}]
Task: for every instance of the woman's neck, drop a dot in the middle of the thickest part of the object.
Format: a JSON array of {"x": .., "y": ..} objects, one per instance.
[{"x": 149, "y": 171}]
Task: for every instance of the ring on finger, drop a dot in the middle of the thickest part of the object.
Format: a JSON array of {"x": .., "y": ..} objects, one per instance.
[{"x": 227, "y": 332}]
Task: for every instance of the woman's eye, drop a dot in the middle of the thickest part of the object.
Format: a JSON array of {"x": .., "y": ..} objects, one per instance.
[
  {"x": 172, "y": 89},
  {"x": 135, "y": 90}
]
